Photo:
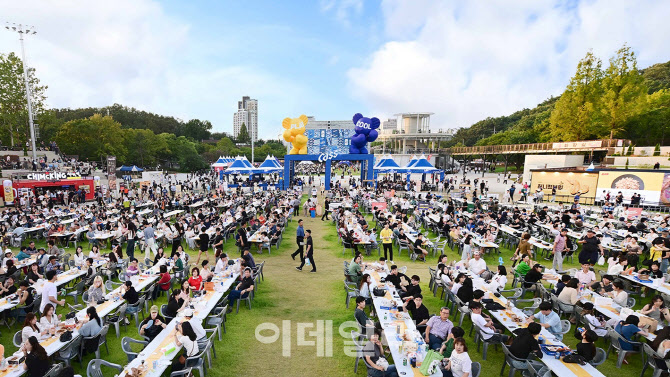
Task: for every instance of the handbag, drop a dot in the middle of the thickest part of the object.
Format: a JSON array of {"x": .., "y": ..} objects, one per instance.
[
  {"x": 66, "y": 336},
  {"x": 601, "y": 261},
  {"x": 573, "y": 358},
  {"x": 379, "y": 292}
]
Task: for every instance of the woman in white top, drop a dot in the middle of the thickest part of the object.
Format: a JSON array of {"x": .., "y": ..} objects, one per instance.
[
  {"x": 598, "y": 326},
  {"x": 95, "y": 253},
  {"x": 366, "y": 289},
  {"x": 30, "y": 328},
  {"x": 49, "y": 318},
  {"x": 185, "y": 337},
  {"x": 221, "y": 263},
  {"x": 499, "y": 280},
  {"x": 618, "y": 268},
  {"x": 460, "y": 364},
  {"x": 467, "y": 248},
  {"x": 79, "y": 257},
  {"x": 569, "y": 294},
  {"x": 619, "y": 295},
  {"x": 446, "y": 280},
  {"x": 460, "y": 278}
]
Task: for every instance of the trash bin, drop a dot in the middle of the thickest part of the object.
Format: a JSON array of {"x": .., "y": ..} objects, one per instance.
[
  {"x": 312, "y": 212},
  {"x": 471, "y": 207}
]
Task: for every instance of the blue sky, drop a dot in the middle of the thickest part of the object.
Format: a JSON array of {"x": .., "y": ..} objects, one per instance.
[{"x": 464, "y": 61}]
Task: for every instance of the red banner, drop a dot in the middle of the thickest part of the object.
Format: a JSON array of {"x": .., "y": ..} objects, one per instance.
[{"x": 378, "y": 205}]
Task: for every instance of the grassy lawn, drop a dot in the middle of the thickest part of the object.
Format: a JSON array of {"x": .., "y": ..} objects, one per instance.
[{"x": 303, "y": 299}]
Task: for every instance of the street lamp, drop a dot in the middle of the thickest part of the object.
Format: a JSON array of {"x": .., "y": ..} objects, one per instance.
[{"x": 27, "y": 30}]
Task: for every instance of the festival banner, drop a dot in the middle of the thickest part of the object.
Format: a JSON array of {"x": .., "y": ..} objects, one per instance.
[
  {"x": 647, "y": 184},
  {"x": 566, "y": 183},
  {"x": 378, "y": 205}
]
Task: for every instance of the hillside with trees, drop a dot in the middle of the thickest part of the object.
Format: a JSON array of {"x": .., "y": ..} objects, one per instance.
[{"x": 620, "y": 101}]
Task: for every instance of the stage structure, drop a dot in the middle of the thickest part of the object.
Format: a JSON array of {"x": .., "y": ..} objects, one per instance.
[{"x": 367, "y": 164}]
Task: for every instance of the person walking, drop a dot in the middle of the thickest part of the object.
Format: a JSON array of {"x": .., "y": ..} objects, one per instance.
[
  {"x": 309, "y": 252},
  {"x": 325, "y": 209},
  {"x": 299, "y": 239},
  {"x": 149, "y": 240},
  {"x": 560, "y": 245}
]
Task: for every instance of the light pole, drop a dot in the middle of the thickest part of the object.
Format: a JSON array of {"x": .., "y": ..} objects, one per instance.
[{"x": 21, "y": 29}]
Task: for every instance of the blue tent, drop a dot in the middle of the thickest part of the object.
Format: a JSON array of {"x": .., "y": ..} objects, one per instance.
[
  {"x": 270, "y": 165},
  {"x": 220, "y": 163},
  {"x": 420, "y": 165},
  {"x": 133, "y": 168},
  {"x": 240, "y": 166},
  {"x": 386, "y": 165}
]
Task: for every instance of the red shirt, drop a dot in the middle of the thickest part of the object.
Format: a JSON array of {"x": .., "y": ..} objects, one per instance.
[
  {"x": 195, "y": 282},
  {"x": 164, "y": 281}
]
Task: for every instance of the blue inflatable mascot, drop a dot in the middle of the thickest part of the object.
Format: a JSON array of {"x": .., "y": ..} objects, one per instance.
[{"x": 366, "y": 132}]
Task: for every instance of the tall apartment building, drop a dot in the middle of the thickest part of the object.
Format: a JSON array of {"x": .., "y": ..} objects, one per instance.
[{"x": 247, "y": 113}]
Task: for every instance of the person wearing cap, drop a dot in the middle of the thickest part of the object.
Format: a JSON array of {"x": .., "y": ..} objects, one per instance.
[
  {"x": 560, "y": 246},
  {"x": 196, "y": 325},
  {"x": 591, "y": 248},
  {"x": 152, "y": 329},
  {"x": 477, "y": 265}
]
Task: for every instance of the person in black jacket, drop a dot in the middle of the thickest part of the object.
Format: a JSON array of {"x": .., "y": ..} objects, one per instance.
[
  {"x": 524, "y": 344},
  {"x": 37, "y": 362},
  {"x": 532, "y": 277},
  {"x": 411, "y": 290}
]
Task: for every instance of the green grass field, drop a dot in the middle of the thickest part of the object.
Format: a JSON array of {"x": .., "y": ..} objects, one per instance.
[{"x": 293, "y": 300}]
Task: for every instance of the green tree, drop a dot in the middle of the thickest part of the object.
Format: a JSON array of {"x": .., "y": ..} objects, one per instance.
[
  {"x": 195, "y": 129},
  {"x": 91, "y": 138},
  {"x": 143, "y": 147},
  {"x": 576, "y": 115},
  {"x": 13, "y": 105},
  {"x": 624, "y": 92},
  {"x": 243, "y": 136}
]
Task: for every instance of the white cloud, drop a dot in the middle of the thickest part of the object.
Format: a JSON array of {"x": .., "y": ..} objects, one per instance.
[
  {"x": 343, "y": 9},
  {"x": 96, "y": 53},
  {"x": 466, "y": 61}
]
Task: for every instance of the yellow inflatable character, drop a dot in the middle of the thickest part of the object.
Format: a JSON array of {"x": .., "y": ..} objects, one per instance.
[{"x": 295, "y": 133}]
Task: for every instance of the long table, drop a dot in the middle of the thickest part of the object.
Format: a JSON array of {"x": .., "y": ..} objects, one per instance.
[
  {"x": 557, "y": 366},
  {"x": 391, "y": 321},
  {"x": 156, "y": 350}
]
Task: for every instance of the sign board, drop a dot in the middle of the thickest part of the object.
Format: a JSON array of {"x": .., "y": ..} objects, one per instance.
[
  {"x": 578, "y": 144},
  {"x": 331, "y": 139},
  {"x": 379, "y": 205},
  {"x": 52, "y": 176},
  {"x": 111, "y": 174},
  {"x": 566, "y": 183},
  {"x": 633, "y": 213},
  {"x": 423, "y": 205},
  {"x": 389, "y": 194},
  {"x": 652, "y": 186}
]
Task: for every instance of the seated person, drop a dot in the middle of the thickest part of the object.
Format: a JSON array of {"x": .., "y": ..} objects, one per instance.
[
  {"x": 524, "y": 344},
  {"x": 153, "y": 324},
  {"x": 561, "y": 284},
  {"x": 489, "y": 330},
  {"x": 604, "y": 286},
  {"x": 418, "y": 311},
  {"x": 586, "y": 348},
  {"x": 597, "y": 323},
  {"x": 448, "y": 345},
  {"x": 477, "y": 265},
  {"x": 586, "y": 276},
  {"x": 628, "y": 329},
  {"x": 569, "y": 295},
  {"x": 549, "y": 320},
  {"x": 532, "y": 277},
  {"x": 373, "y": 351},
  {"x": 407, "y": 293},
  {"x": 366, "y": 324}
]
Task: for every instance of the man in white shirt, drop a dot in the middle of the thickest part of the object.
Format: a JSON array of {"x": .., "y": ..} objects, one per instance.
[
  {"x": 489, "y": 329},
  {"x": 477, "y": 265},
  {"x": 50, "y": 292},
  {"x": 195, "y": 324}
]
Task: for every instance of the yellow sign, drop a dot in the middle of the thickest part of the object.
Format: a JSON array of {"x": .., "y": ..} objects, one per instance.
[
  {"x": 9, "y": 191},
  {"x": 295, "y": 133},
  {"x": 566, "y": 183},
  {"x": 647, "y": 184}
]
